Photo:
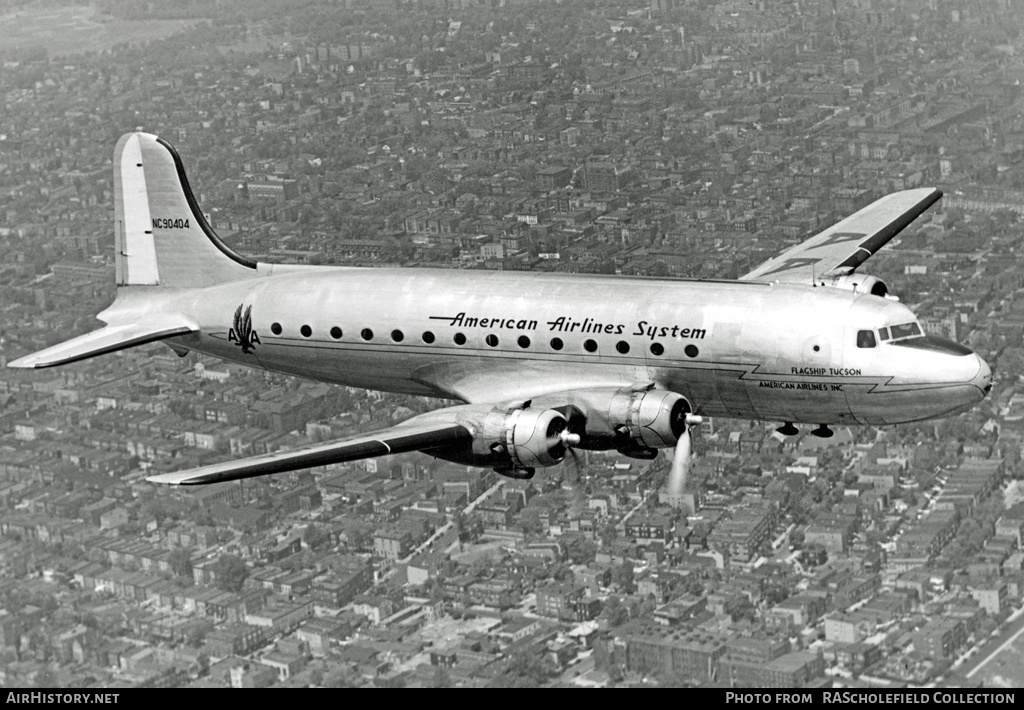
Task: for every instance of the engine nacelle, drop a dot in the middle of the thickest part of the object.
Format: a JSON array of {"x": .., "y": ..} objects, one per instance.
[
  {"x": 860, "y": 283},
  {"x": 649, "y": 418},
  {"x": 514, "y": 439},
  {"x": 533, "y": 437}
]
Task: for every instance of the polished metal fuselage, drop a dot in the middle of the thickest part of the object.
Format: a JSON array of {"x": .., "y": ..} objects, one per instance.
[{"x": 736, "y": 349}]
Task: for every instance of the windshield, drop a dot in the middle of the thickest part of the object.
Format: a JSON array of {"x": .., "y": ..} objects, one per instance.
[
  {"x": 905, "y": 330},
  {"x": 935, "y": 344}
]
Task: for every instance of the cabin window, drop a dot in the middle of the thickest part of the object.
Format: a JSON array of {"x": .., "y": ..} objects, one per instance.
[
  {"x": 657, "y": 349},
  {"x": 556, "y": 344},
  {"x": 397, "y": 335},
  {"x": 428, "y": 337},
  {"x": 460, "y": 339},
  {"x": 275, "y": 328},
  {"x": 306, "y": 331},
  {"x": 523, "y": 341},
  {"x": 691, "y": 351},
  {"x": 492, "y": 340},
  {"x": 336, "y": 333},
  {"x": 590, "y": 345},
  {"x": 883, "y": 334},
  {"x": 366, "y": 334},
  {"x": 865, "y": 338},
  {"x": 622, "y": 346}
]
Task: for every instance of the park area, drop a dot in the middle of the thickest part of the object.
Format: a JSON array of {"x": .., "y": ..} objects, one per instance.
[{"x": 66, "y": 31}]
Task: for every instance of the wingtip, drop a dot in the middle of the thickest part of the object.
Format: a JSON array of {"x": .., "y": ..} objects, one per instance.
[
  {"x": 161, "y": 480},
  {"x": 27, "y": 362},
  {"x": 192, "y": 477},
  {"x": 170, "y": 479}
]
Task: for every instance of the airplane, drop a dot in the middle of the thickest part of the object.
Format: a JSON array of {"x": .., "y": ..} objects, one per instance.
[{"x": 540, "y": 363}]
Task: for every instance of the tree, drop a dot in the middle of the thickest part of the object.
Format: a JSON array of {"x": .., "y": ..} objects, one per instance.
[
  {"x": 468, "y": 528},
  {"x": 48, "y": 603},
  {"x": 340, "y": 678},
  {"x": 615, "y": 612},
  {"x": 1004, "y": 218},
  {"x": 954, "y": 216},
  {"x": 647, "y": 606},
  {"x": 608, "y": 534},
  {"x": 196, "y": 635},
  {"x": 582, "y": 551},
  {"x": 230, "y": 573},
  {"x": 1011, "y": 362},
  {"x": 183, "y": 408},
  {"x": 560, "y": 572},
  {"x": 739, "y": 607},
  {"x": 623, "y": 577},
  {"x": 46, "y": 678},
  {"x": 316, "y": 537},
  {"x": 659, "y": 269},
  {"x": 529, "y": 521},
  {"x": 180, "y": 561},
  {"x": 775, "y": 593},
  {"x": 524, "y": 670},
  {"x": 442, "y": 678}
]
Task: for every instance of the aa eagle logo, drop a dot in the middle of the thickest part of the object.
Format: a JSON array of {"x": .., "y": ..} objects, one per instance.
[{"x": 241, "y": 331}]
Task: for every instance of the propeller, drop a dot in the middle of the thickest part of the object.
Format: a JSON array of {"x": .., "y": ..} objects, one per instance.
[
  {"x": 682, "y": 458},
  {"x": 570, "y": 440}
]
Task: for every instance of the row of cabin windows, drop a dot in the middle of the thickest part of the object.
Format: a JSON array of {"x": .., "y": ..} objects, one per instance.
[{"x": 523, "y": 341}]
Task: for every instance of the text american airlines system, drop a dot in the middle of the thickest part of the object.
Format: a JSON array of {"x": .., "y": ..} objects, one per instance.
[{"x": 566, "y": 324}]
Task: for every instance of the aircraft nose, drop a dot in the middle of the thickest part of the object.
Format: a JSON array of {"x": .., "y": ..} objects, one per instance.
[{"x": 983, "y": 380}]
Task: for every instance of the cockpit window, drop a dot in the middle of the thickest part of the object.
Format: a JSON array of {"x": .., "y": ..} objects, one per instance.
[
  {"x": 905, "y": 330},
  {"x": 865, "y": 338},
  {"x": 883, "y": 334},
  {"x": 936, "y": 344}
]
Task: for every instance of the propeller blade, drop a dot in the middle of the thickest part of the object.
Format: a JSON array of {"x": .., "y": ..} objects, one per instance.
[
  {"x": 680, "y": 465},
  {"x": 574, "y": 467}
]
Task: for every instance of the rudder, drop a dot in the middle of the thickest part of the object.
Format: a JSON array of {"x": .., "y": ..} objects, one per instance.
[{"x": 161, "y": 235}]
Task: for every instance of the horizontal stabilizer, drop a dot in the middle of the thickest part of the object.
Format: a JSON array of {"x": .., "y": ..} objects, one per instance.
[
  {"x": 105, "y": 340},
  {"x": 396, "y": 440}
]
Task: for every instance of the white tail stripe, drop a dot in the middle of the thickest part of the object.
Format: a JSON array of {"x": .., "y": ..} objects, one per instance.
[{"x": 140, "y": 248}]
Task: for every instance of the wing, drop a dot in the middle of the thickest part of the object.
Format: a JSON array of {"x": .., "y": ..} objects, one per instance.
[
  {"x": 846, "y": 245},
  {"x": 106, "y": 340},
  {"x": 513, "y": 437},
  {"x": 405, "y": 437}
]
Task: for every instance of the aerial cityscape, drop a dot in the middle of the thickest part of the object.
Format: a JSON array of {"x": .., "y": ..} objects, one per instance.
[{"x": 673, "y": 139}]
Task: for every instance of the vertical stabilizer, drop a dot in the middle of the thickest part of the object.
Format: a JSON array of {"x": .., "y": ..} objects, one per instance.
[{"x": 161, "y": 235}]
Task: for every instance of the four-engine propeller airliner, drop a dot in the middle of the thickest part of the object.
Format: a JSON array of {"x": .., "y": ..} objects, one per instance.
[{"x": 540, "y": 362}]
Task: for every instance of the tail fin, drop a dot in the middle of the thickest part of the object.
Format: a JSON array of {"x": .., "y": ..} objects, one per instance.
[{"x": 161, "y": 236}]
